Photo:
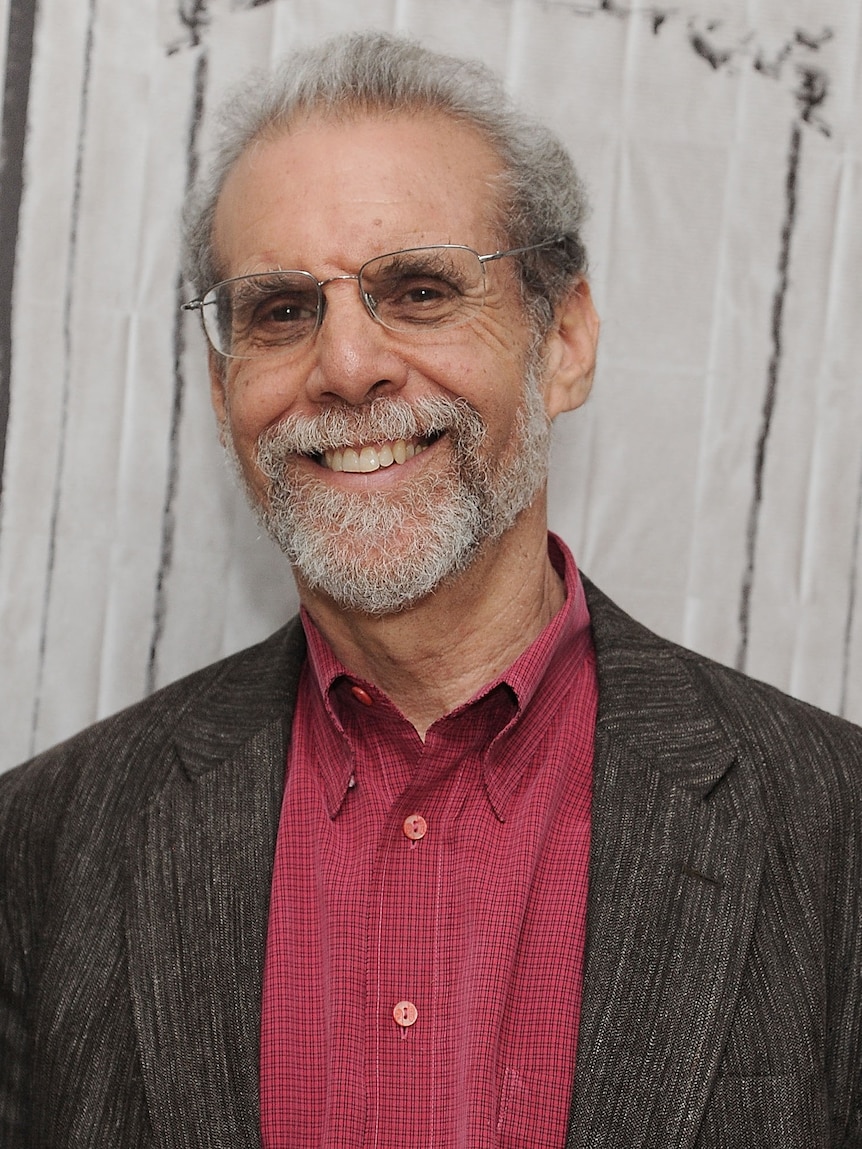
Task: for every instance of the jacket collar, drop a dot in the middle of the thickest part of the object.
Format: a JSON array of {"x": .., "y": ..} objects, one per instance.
[{"x": 247, "y": 692}]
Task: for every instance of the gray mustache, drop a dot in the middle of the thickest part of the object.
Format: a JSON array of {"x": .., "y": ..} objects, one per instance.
[{"x": 383, "y": 420}]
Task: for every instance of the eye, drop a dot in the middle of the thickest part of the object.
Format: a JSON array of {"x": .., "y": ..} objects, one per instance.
[
  {"x": 273, "y": 312},
  {"x": 285, "y": 310},
  {"x": 405, "y": 294},
  {"x": 413, "y": 294},
  {"x": 432, "y": 287}
]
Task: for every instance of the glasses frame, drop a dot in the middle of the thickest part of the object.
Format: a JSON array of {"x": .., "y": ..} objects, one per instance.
[{"x": 200, "y": 302}]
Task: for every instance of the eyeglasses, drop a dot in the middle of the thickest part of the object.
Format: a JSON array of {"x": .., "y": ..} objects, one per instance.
[{"x": 413, "y": 291}]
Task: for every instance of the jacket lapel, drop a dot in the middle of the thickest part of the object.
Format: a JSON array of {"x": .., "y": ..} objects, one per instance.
[
  {"x": 674, "y": 877},
  {"x": 200, "y": 863}
]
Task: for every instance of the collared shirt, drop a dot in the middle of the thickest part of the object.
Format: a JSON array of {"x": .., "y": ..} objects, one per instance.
[{"x": 424, "y": 957}]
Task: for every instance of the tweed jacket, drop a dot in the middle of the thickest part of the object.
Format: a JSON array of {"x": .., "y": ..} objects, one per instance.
[{"x": 723, "y": 973}]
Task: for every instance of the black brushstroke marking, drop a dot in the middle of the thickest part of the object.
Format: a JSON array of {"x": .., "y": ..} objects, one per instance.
[
  {"x": 851, "y": 602},
  {"x": 657, "y": 16},
  {"x": 809, "y": 40},
  {"x": 772, "y": 68},
  {"x": 715, "y": 57},
  {"x": 771, "y": 393},
  {"x": 814, "y": 83},
  {"x": 611, "y": 7},
  {"x": 813, "y": 86},
  {"x": 194, "y": 17},
  {"x": 179, "y": 344},
  {"x": 16, "y": 102},
  {"x": 247, "y": 5},
  {"x": 810, "y": 95},
  {"x": 71, "y": 265}
]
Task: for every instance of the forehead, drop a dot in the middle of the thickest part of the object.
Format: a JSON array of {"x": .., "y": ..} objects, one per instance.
[{"x": 327, "y": 194}]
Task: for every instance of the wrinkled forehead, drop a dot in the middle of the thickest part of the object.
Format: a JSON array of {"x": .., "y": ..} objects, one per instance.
[{"x": 426, "y": 176}]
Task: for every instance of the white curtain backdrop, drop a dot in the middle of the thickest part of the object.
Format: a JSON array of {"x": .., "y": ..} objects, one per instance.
[{"x": 712, "y": 485}]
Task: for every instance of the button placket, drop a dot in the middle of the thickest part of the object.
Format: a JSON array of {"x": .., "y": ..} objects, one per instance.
[{"x": 409, "y": 893}]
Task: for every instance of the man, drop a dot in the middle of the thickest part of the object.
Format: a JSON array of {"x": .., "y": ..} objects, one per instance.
[{"x": 333, "y": 891}]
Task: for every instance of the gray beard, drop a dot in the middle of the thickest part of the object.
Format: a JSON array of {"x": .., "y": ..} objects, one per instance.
[{"x": 382, "y": 552}]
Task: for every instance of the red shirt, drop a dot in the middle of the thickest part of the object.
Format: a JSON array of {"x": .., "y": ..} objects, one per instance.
[{"x": 444, "y": 882}]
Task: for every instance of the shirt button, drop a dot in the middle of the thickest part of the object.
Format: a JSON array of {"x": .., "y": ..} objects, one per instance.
[
  {"x": 405, "y": 1014},
  {"x": 415, "y": 827},
  {"x": 362, "y": 696}
]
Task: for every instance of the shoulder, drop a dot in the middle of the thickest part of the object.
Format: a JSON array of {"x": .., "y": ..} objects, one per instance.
[
  {"x": 741, "y": 753},
  {"x": 122, "y": 760},
  {"x": 673, "y": 696}
]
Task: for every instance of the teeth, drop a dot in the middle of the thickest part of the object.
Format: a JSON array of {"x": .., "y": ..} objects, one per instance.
[{"x": 368, "y": 459}]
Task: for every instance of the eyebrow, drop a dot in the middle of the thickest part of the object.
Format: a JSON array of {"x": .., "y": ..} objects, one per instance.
[
  {"x": 254, "y": 286},
  {"x": 418, "y": 262}
]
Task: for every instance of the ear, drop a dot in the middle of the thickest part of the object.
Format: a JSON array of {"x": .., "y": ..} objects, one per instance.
[
  {"x": 570, "y": 352},
  {"x": 218, "y": 390}
]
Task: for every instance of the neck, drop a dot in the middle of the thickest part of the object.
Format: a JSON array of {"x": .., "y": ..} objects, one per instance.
[{"x": 437, "y": 654}]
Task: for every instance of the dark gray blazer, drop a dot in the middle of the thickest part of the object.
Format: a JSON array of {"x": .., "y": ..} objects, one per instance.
[{"x": 723, "y": 983}]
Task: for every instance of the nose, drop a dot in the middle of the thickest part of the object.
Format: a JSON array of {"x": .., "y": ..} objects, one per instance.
[{"x": 356, "y": 359}]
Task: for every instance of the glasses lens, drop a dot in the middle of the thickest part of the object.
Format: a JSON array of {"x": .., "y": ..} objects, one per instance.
[
  {"x": 426, "y": 287},
  {"x": 258, "y": 314}
]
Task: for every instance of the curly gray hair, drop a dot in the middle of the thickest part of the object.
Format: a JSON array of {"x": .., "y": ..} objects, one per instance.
[{"x": 541, "y": 194}]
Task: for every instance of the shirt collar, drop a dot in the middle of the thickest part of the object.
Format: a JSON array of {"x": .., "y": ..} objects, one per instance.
[{"x": 509, "y": 714}]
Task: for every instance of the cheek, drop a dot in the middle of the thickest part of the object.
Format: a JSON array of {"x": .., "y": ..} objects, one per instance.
[
  {"x": 494, "y": 385},
  {"x": 485, "y": 365},
  {"x": 256, "y": 399}
]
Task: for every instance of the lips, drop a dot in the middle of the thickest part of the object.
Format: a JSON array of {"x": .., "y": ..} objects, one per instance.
[{"x": 365, "y": 458}]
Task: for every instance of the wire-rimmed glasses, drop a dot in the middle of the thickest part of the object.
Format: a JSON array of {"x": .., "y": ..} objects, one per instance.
[{"x": 411, "y": 291}]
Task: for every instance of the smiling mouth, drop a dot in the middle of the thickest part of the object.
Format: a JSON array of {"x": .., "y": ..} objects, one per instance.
[{"x": 365, "y": 457}]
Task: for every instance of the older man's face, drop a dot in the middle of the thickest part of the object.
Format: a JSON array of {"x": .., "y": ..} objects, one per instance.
[{"x": 325, "y": 198}]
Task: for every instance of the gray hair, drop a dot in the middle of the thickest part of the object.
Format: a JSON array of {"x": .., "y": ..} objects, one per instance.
[{"x": 541, "y": 194}]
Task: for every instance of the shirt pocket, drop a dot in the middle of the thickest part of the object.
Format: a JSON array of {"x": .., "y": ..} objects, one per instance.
[{"x": 532, "y": 1114}]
